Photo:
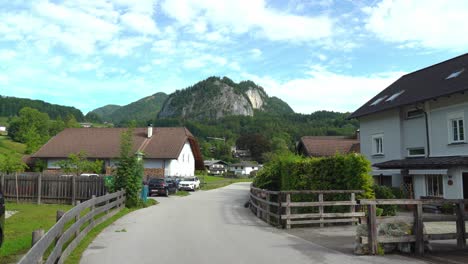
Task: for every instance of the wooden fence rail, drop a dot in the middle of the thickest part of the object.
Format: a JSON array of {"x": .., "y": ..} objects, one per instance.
[
  {"x": 40, "y": 188},
  {"x": 417, "y": 220},
  {"x": 277, "y": 207},
  {"x": 100, "y": 209}
]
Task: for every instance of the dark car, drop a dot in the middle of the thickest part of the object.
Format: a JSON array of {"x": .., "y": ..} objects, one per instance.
[
  {"x": 161, "y": 186},
  {"x": 2, "y": 217}
]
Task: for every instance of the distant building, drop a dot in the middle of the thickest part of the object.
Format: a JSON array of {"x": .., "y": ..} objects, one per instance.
[
  {"x": 324, "y": 146},
  {"x": 3, "y": 129},
  {"x": 244, "y": 168},
  {"x": 86, "y": 125},
  {"x": 216, "y": 167},
  {"x": 240, "y": 153},
  {"x": 167, "y": 151}
]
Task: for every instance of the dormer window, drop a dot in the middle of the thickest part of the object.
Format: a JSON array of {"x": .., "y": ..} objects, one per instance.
[
  {"x": 379, "y": 100},
  {"x": 394, "y": 96},
  {"x": 455, "y": 74}
]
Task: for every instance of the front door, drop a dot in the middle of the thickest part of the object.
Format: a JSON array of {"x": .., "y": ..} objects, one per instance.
[{"x": 465, "y": 185}]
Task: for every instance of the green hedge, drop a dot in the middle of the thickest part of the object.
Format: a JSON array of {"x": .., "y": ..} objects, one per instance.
[{"x": 339, "y": 172}]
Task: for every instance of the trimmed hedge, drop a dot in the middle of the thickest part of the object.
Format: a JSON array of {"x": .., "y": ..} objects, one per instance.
[{"x": 339, "y": 172}]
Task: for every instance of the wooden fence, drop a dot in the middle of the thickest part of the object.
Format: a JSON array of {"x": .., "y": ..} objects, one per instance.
[
  {"x": 417, "y": 220},
  {"x": 41, "y": 188},
  {"x": 279, "y": 209},
  {"x": 64, "y": 241}
]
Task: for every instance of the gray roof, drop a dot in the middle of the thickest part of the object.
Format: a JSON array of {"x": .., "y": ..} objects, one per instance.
[{"x": 419, "y": 86}]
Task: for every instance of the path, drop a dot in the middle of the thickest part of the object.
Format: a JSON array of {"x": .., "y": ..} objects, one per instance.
[{"x": 210, "y": 227}]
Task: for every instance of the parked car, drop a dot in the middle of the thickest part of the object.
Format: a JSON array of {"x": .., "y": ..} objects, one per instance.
[
  {"x": 161, "y": 186},
  {"x": 89, "y": 175},
  {"x": 189, "y": 184},
  {"x": 2, "y": 217}
]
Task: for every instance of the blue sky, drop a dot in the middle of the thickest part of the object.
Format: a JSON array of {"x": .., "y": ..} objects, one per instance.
[{"x": 315, "y": 55}]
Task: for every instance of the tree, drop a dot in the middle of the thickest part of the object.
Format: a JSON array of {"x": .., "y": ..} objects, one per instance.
[
  {"x": 11, "y": 162},
  {"x": 129, "y": 173},
  {"x": 28, "y": 119},
  {"x": 78, "y": 163},
  {"x": 256, "y": 143}
]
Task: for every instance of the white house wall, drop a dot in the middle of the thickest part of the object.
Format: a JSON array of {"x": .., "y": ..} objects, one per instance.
[
  {"x": 184, "y": 165},
  {"x": 153, "y": 163}
]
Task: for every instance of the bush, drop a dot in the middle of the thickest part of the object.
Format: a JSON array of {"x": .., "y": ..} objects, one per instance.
[
  {"x": 384, "y": 192},
  {"x": 339, "y": 172}
]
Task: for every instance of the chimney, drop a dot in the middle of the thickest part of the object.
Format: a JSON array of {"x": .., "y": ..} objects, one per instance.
[{"x": 150, "y": 130}]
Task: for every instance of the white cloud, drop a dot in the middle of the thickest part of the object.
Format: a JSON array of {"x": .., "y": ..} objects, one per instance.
[
  {"x": 322, "y": 89},
  {"x": 242, "y": 16},
  {"x": 202, "y": 61},
  {"x": 124, "y": 46},
  {"x": 140, "y": 23},
  {"x": 144, "y": 68},
  {"x": 427, "y": 23},
  {"x": 6, "y": 54},
  {"x": 255, "y": 53}
]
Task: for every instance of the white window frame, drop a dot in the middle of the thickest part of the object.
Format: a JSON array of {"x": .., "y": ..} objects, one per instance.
[
  {"x": 456, "y": 117},
  {"x": 417, "y": 155},
  {"x": 438, "y": 179},
  {"x": 375, "y": 148}
]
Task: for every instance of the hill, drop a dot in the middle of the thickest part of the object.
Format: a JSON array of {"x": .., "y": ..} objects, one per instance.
[
  {"x": 143, "y": 110},
  {"x": 10, "y": 106},
  {"x": 215, "y": 98}
]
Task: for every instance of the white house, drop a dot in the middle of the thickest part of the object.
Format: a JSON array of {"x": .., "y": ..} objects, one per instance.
[
  {"x": 166, "y": 151},
  {"x": 243, "y": 168},
  {"x": 413, "y": 132}
]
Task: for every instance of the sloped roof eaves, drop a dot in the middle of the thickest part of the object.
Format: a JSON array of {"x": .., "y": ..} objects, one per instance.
[
  {"x": 424, "y": 163},
  {"x": 420, "y": 86},
  {"x": 323, "y": 146}
]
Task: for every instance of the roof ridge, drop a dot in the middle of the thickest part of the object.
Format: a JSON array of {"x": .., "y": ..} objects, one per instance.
[{"x": 434, "y": 65}]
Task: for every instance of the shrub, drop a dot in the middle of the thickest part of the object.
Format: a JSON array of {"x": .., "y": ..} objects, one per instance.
[{"x": 384, "y": 192}]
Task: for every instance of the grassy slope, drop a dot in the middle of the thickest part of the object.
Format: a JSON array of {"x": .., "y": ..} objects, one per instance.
[
  {"x": 19, "y": 227},
  {"x": 6, "y": 145},
  {"x": 209, "y": 182}
]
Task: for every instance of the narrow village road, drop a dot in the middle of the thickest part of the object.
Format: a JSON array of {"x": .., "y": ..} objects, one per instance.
[{"x": 209, "y": 227}]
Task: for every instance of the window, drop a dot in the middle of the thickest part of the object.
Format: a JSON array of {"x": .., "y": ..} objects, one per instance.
[
  {"x": 379, "y": 100},
  {"x": 377, "y": 145},
  {"x": 416, "y": 152},
  {"x": 394, "y": 96},
  {"x": 455, "y": 74},
  {"x": 434, "y": 185},
  {"x": 456, "y": 127},
  {"x": 415, "y": 113}
]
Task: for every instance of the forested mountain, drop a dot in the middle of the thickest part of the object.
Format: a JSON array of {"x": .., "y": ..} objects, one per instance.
[
  {"x": 143, "y": 110},
  {"x": 215, "y": 98},
  {"x": 11, "y": 106}
]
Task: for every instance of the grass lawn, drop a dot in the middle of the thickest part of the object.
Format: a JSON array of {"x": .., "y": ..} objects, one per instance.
[
  {"x": 18, "y": 228},
  {"x": 6, "y": 145},
  {"x": 209, "y": 182}
]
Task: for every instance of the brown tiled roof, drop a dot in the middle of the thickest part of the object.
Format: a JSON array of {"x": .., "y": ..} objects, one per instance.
[
  {"x": 327, "y": 146},
  {"x": 166, "y": 143},
  {"x": 424, "y": 163},
  {"x": 422, "y": 85}
]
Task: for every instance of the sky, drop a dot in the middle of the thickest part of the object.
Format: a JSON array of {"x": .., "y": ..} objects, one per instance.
[{"x": 315, "y": 55}]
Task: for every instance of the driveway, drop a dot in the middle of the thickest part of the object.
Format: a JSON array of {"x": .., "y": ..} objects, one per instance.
[{"x": 211, "y": 227}]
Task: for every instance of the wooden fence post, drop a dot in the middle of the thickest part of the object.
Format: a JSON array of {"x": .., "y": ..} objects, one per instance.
[
  {"x": 16, "y": 187},
  {"x": 39, "y": 188},
  {"x": 107, "y": 202},
  {"x": 372, "y": 228},
  {"x": 320, "y": 198},
  {"x": 353, "y": 207},
  {"x": 259, "y": 212},
  {"x": 461, "y": 230},
  {"x": 2, "y": 183},
  {"x": 91, "y": 209},
  {"x": 59, "y": 215},
  {"x": 279, "y": 209},
  {"x": 77, "y": 217},
  {"x": 268, "y": 208},
  {"x": 288, "y": 211},
  {"x": 36, "y": 236},
  {"x": 73, "y": 190},
  {"x": 419, "y": 229}
]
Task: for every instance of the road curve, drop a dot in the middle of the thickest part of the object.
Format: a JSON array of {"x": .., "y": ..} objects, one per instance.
[{"x": 206, "y": 227}]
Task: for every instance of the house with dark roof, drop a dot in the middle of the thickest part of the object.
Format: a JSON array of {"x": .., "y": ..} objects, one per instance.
[
  {"x": 244, "y": 168},
  {"x": 216, "y": 167},
  {"x": 325, "y": 146},
  {"x": 166, "y": 151},
  {"x": 413, "y": 132}
]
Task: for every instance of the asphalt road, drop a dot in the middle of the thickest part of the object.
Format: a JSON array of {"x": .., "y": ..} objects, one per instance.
[{"x": 210, "y": 227}]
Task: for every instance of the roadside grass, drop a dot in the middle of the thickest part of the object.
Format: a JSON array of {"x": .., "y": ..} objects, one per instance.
[
  {"x": 18, "y": 228},
  {"x": 209, "y": 182},
  {"x": 8, "y": 145},
  {"x": 182, "y": 193}
]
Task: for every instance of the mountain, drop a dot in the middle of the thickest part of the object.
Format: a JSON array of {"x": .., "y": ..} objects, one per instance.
[
  {"x": 215, "y": 98},
  {"x": 10, "y": 106},
  {"x": 143, "y": 110}
]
